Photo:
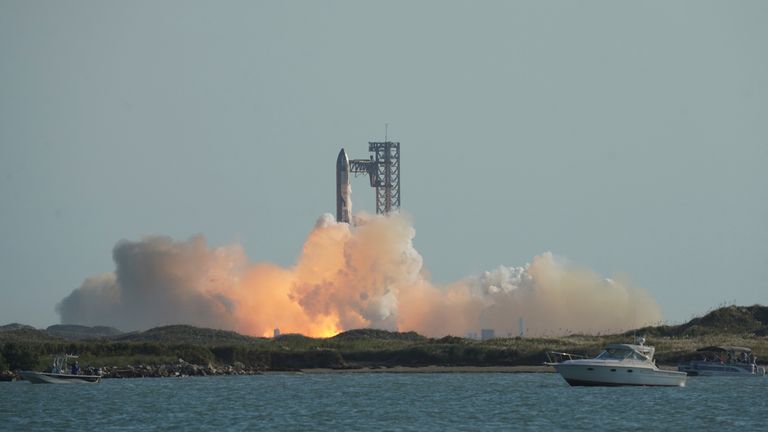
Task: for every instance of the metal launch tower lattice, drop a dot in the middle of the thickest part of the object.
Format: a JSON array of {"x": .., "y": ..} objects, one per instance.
[{"x": 383, "y": 169}]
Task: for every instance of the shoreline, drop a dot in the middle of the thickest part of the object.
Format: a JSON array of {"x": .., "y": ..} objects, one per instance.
[
  {"x": 433, "y": 369},
  {"x": 443, "y": 369}
]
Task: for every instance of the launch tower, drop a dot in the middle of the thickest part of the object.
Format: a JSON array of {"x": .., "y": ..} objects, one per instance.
[{"x": 383, "y": 169}]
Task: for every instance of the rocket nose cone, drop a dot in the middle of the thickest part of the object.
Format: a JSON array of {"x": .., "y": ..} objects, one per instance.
[{"x": 342, "y": 161}]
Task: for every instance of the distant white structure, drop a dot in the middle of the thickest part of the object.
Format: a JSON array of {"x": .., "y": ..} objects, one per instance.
[
  {"x": 486, "y": 334},
  {"x": 521, "y": 323},
  {"x": 276, "y": 332},
  {"x": 471, "y": 335}
]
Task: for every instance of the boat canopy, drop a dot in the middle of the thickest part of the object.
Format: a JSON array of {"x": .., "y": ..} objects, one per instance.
[
  {"x": 724, "y": 348},
  {"x": 629, "y": 347},
  {"x": 624, "y": 351}
]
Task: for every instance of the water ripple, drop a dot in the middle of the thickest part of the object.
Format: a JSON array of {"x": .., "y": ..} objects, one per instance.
[{"x": 386, "y": 402}]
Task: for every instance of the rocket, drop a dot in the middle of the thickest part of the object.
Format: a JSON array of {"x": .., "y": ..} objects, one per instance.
[{"x": 343, "y": 189}]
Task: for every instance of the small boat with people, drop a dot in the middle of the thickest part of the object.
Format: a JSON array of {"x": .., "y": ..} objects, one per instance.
[
  {"x": 722, "y": 360},
  {"x": 616, "y": 365},
  {"x": 61, "y": 373}
]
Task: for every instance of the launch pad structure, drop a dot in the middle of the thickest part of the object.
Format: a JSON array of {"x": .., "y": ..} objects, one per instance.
[{"x": 383, "y": 169}]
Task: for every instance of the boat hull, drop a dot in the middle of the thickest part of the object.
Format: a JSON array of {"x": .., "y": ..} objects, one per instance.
[
  {"x": 708, "y": 368},
  {"x": 578, "y": 373},
  {"x": 52, "y": 378}
]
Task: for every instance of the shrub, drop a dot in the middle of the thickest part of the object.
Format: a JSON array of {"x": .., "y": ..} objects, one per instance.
[
  {"x": 194, "y": 354},
  {"x": 20, "y": 357}
]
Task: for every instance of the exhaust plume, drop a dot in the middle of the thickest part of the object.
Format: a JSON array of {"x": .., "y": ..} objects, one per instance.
[{"x": 346, "y": 277}]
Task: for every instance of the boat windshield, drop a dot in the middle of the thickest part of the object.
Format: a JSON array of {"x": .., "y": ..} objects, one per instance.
[{"x": 621, "y": 354}]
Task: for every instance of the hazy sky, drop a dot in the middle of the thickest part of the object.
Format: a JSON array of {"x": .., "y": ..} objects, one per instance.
[{"x": 629, "y": 137}]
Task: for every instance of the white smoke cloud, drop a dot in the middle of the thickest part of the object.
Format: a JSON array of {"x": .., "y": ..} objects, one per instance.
[
  {"x": 366, "y": 276},
  {"x": 159, "y": 281}
]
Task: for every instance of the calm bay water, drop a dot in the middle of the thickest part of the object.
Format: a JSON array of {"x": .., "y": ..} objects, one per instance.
[{"x": 382, "y": 401}]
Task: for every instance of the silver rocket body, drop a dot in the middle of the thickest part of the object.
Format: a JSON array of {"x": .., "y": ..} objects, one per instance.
[{"x": 343, "y": 188}]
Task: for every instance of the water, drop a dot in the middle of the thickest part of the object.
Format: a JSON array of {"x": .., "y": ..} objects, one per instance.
[{"x": 422, "y": 402}]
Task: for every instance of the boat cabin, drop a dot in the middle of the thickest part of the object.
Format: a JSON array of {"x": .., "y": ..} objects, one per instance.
[{"x": 627, "y": 352}]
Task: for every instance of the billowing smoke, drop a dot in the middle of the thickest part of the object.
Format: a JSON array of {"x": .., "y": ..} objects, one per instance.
[
  {"x": 346, "y": 277},
  {"x": 159, "y": 281}
]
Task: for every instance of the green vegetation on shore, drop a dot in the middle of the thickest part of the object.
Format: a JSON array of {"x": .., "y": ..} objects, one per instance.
[{"x": 177, "y": 349}]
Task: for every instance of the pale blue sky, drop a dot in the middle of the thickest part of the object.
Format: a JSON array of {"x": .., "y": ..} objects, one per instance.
[{"x": 629, "y": 137}]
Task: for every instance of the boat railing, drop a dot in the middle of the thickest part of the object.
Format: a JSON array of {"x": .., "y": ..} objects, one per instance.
[
  {"x": 559, "y": 357},
  {"x": 61, "y": 362}
]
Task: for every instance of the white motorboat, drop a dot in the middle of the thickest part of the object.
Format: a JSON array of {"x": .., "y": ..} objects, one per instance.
[
  {"x": 723, "y": 361},
  {"x": 617, "y": 365},
  {"x": 60, "y": 373}
]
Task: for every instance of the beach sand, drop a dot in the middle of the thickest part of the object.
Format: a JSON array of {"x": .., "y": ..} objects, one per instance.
[{"x": 438, "y": 369}]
